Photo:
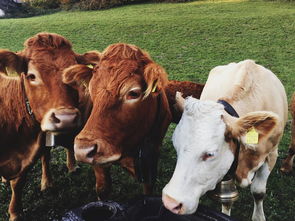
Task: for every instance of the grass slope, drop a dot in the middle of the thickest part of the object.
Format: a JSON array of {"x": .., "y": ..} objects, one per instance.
[{"x": 188, "y": 40}]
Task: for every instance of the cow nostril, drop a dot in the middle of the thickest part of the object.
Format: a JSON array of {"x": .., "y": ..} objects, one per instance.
[
  {"x": 92, "y": 152},
  {"x": 172, "y": 204},
  {"x": 177, "y": 209},
  {"x": 54, "y": 118}
]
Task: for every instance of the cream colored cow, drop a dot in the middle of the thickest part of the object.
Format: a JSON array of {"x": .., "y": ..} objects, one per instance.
[{"x": 204, "y": 137}]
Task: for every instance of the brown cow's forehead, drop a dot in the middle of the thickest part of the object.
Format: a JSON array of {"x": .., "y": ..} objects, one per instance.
[
  {"x": 116, "y": 78},
  {"x": 51, "y": 62},
  {"x": 49, "y": 50}
]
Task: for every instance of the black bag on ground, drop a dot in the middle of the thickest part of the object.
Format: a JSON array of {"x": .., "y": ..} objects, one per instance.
[{"x": 141, "y": 209}]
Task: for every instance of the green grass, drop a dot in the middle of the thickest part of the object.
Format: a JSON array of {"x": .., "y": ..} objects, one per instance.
[{"x": 188, "y": 40}]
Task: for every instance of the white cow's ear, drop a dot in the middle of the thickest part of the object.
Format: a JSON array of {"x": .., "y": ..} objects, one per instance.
[
  {"x": 179, "y": 105},
  {"x": 252, "y": 128}
]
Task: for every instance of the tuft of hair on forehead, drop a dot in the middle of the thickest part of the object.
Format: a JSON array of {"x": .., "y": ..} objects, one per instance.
[
  {"x": 48, "y": 41},
  {"x": 195, "y": 107},
  {"x": 125, "y": 51}
]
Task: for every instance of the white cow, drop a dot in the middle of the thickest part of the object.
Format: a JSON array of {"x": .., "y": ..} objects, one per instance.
[{"x": 204, "y": 137}]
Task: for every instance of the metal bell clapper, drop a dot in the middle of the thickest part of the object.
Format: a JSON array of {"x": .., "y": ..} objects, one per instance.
[{"x": 225, "y": 192}]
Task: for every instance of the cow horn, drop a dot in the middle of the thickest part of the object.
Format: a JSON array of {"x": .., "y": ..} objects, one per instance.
[{"x": 179, "y": 105}]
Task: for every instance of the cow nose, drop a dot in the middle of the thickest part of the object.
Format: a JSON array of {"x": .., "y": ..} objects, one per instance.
[
  {"x": 85, "y": 154},
  {"x": 64, "y": 119},
  {"x": 172, "y": 204}
]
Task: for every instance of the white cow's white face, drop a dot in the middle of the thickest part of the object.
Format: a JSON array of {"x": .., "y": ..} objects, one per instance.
[{"x": 203, "y": 155}]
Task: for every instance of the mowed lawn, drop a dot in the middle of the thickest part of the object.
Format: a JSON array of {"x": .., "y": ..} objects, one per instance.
[{"x": 188, "y": 40}]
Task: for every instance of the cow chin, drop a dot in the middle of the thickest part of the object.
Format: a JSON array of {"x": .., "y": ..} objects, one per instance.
[{"x": 106, "y": 159}]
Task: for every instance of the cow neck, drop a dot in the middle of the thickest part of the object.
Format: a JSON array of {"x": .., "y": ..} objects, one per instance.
[
  {"x": 146, "y": 154},
  {"x": 231, "y": 111},
  {"x": 27, "y": 102}
]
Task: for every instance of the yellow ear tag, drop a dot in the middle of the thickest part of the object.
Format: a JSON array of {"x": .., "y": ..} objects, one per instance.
[
  {"x": 155, "y": 86},
  {"x": 252, "y": 136},
  {"x": 90, "y": 66}
]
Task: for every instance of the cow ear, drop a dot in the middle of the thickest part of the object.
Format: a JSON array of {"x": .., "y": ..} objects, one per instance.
[
  {"x": 89, "y": 58},
  {"x": 77, "y": 75},
  {"x": 155, "y": 77},
  {"x": 253, "y": 128},
  {"x": 11, "y": 62}
]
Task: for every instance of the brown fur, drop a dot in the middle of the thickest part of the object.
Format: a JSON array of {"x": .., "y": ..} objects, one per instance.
[
  {"x": 287, "y": 165},
  {"x": 116, "y": 126},
  {"x": 91, "y": 57},
  {"x": 10, "y": 62},
  {"x": 21, "y": 138},
  {"x": 187, "y": 88},
  {"x": 263, "y": 122}
]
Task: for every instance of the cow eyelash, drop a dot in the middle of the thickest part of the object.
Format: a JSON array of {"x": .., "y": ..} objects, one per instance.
[
  {"x": 208, "y": 155},
  {"x": 30, "y": 77},
  {"x": 133, "y": 94}
]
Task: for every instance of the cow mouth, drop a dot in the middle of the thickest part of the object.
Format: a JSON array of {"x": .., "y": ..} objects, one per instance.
[{"x": 105, "y": 161}]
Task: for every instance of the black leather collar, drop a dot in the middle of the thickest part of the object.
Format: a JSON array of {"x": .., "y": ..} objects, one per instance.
[
  {"x": 228, "y": 108},
  {"x": 27, "y": 102},
  {"x": 231, "y": 111}
]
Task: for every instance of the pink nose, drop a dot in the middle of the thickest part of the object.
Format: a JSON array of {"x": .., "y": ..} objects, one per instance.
[
  {"x": 172, "y": 204},
  {"x": 85, "y": 154},
  {"x": 65, "y": 119}
]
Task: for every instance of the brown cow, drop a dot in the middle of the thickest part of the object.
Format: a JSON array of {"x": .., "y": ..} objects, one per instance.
[
  {"x": 34, "y": 101},
  {"x": 79, "y": 76},
  {"x": 287, "y": 165},
  {"x": 187, "y": 88},
  {"x": 129, "y": 105}
]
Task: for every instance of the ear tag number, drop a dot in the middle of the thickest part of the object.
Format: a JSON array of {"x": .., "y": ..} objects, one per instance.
[{"x": 252, "y": 136}]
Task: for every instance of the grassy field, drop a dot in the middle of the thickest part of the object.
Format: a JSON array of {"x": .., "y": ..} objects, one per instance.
[{"x": 188, "y": 40}]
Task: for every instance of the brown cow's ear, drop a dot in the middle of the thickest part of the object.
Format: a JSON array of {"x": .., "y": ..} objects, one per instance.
[
  {"x": 11, "y": 62},
  {"x": 77, "y": 75},
  {"x": 89, "y": 58},
  {"x": 155, "y": 77},
  {"x": 254, "y": 127}
]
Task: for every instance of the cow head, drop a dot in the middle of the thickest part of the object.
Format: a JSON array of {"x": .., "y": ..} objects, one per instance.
[
  {"x": 204, "y": 141},
  {"x": 127, "y": 91},
  {"x": 40, "y": 66}
]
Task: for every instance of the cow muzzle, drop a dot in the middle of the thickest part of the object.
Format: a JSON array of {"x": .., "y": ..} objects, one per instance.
[
  {"x": 179, "y": 202},
  {"x": 63, "y": 119},
  {"x": 171, "y": 204},
  {"x": 96, "y": 153}
]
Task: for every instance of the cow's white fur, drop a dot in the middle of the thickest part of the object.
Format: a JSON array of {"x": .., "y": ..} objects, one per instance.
[
  {"x": 259, "y": 186},
  {"x": 251, "y": 88},
  {"x": 200, "y": 130}
]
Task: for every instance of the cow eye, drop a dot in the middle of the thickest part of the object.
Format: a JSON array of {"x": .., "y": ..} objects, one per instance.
[
  {"x": 208, "y": 155},
  {"x": 133, "y": 94},
  {"x": 30, "y": 77}
]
